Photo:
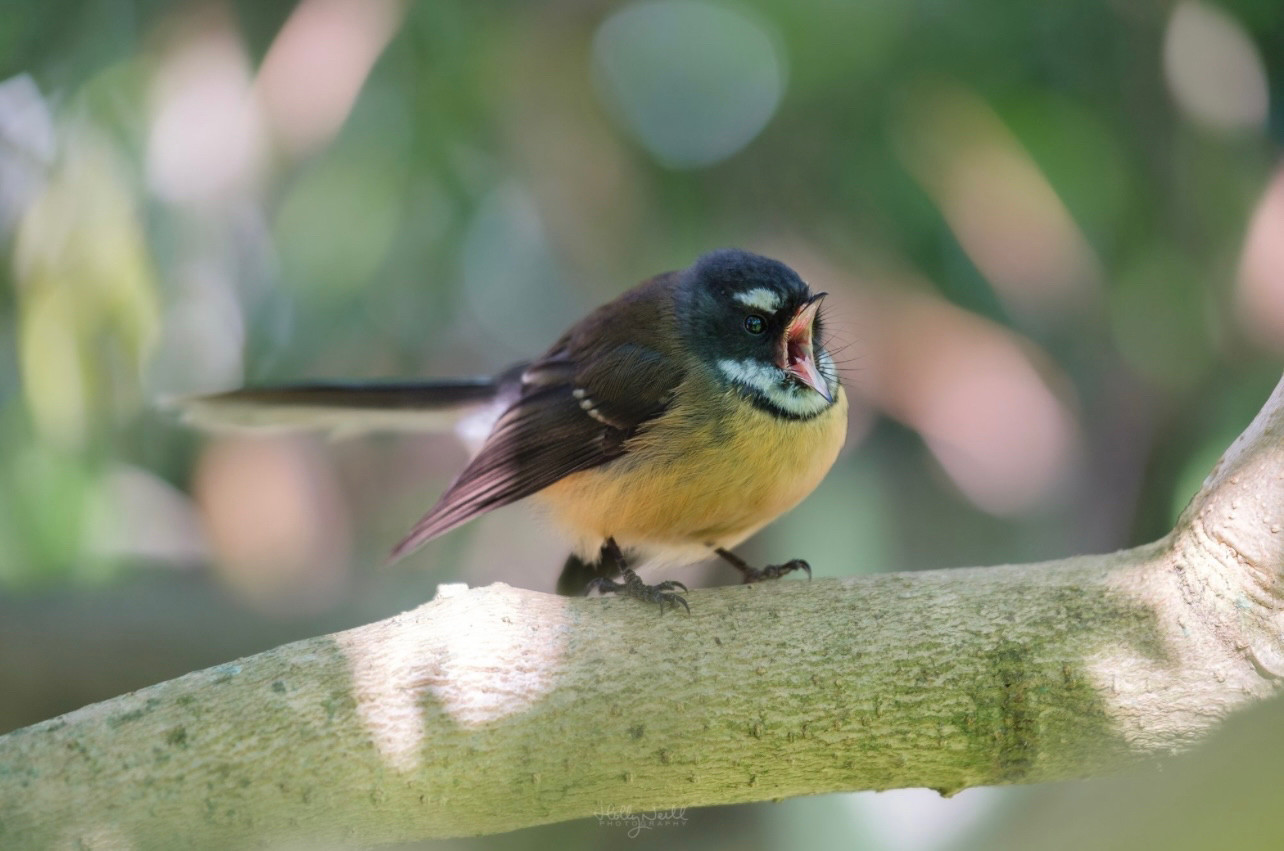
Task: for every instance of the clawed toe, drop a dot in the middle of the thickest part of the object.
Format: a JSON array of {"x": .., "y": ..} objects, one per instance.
[
  {"x": 603, "y": 585},
  {"x": 796, "y": 564},
  {"x": 774, "y": 571},
  {"x": 634, "y": 587},
  {"x": 673, "y": 600},
  {"x": 750, "y": 574},
  {"x": 661, "y": 593}
]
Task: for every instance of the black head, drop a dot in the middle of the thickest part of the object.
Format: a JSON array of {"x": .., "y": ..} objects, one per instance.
[{"x": 756, "y": 325}]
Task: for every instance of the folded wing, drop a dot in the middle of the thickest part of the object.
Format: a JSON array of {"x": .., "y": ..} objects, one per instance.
[{"x": 572, "y": 413}]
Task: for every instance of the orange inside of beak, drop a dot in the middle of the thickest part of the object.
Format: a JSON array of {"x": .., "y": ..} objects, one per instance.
[{"x": 797, "y": 353}]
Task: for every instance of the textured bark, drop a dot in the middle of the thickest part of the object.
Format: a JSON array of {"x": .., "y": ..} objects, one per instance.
[{"x": 494, "y": 708}]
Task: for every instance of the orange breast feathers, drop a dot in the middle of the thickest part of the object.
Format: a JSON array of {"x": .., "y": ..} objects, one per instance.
[{"x": 709, "y": 472}]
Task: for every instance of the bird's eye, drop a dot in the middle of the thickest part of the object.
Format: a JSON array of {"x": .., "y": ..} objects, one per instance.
[{"x": 755, "y": 324}]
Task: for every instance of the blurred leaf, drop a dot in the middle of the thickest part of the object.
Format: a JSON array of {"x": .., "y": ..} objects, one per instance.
[{"x": 88, "y": 307}]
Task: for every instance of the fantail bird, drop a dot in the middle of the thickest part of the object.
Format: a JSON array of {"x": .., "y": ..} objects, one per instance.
[{"x": 669, "y": 424}]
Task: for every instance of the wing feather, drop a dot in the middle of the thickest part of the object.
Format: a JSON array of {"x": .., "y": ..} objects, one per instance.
[{"x": 567, "y": 419}]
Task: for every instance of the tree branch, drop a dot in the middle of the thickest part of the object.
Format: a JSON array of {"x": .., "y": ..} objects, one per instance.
[{"x": 495, "y": 708}]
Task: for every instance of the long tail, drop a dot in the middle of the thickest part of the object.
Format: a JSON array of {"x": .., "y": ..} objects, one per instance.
[{"x": 345, "y": 408}]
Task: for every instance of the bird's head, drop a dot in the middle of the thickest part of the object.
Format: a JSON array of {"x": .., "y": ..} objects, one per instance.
[{"x": 757, "y": 326}]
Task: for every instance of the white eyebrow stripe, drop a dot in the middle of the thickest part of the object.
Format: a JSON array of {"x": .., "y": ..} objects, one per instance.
[{"x": 760, "y": 298}]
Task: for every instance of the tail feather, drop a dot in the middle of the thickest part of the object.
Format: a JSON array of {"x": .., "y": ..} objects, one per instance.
[{"x": 341, "y": 408}]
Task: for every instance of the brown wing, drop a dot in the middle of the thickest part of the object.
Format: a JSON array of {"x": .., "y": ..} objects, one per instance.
[{"x": 576, "y": 409}]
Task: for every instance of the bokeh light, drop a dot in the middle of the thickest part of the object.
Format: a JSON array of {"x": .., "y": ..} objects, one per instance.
[
  {"x": 984, "y": 408},
  {"x": 206, "y": 141},
  {"x": 26, "y": 130},
  {"x": 316, "y": 66},
  {"x": 1260, "y": 289},
  {"x": 276, "y": 521},
  {"x": 693, "y": 81},
  {"x": 998, "y": 203},
  {"x": 1213, "y": 69}
]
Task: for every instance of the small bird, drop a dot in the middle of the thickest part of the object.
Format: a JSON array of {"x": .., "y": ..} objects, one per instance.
[{"x": 666, "y": 426}]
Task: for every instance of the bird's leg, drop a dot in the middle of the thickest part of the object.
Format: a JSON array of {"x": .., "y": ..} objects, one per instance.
[
  {"x": 612, "y": 560},
  {"x": 577, "y": 576},
  {"x": 771, "y": 571}
]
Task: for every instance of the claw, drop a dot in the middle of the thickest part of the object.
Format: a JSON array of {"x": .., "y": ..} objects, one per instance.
[
  {"x": 602, "y": 585},
  {"x": 756, "y": 574},
  {"x": 796, "y": 564},
  {"x": 633, "y": 586},
  {"x": 673, "y": 600}
]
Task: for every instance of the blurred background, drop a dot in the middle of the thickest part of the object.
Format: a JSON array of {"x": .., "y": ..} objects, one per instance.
[{"x": 1053, "y": 234}]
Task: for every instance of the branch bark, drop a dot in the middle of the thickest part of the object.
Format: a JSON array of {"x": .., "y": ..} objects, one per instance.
[{"x": 495, "y": 708}]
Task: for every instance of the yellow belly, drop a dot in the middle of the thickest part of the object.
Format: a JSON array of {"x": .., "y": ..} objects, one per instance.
[{"x": 688, "y": 483}]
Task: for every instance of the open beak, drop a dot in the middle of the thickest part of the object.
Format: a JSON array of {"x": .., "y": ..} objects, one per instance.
[{"x": 797, "y": 355}]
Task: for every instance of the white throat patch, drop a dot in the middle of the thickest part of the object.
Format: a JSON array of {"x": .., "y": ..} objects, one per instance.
[
  {"x": 759, "y": 298},
  {"x": 770, "y": 381}
]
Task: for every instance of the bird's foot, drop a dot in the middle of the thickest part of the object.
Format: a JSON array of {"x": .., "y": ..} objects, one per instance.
[
  {"x": 633, "y": 586},
  {"x": 771, "y": 571},
  {"x": 775, "y": 571}
]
